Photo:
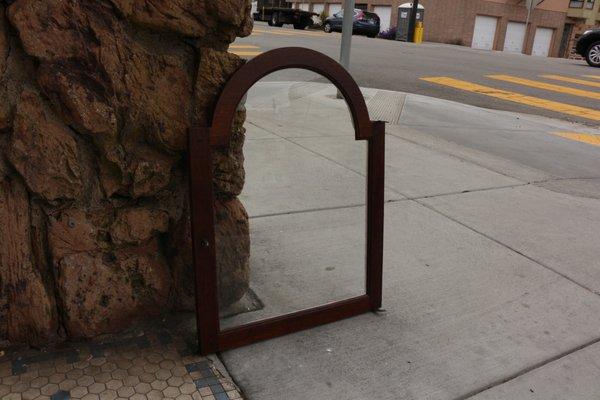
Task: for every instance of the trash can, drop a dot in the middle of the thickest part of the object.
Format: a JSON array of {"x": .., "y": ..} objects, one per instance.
[{"x": 404, "y": 11}]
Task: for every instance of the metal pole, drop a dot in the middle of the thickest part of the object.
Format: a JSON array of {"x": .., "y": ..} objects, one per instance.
[
  {"x": 412, "y": 22},
  {"x": 347, "y": 25},
  {"x": 529, "y": 4}
]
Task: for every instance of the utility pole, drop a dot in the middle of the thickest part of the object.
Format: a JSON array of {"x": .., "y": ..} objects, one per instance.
[
  {"x": 347, "y": 25},
  {"x": 530, "y": 4},
  {"x": 412, "y": 22}
]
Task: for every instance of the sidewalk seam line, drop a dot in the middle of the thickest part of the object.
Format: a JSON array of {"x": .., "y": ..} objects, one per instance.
[
  {"x": 432, "y": 208},
  {"x": 529, "y": 369},
  {"x": 323, "y": 156},
  {"x": 467, "y": 160}
]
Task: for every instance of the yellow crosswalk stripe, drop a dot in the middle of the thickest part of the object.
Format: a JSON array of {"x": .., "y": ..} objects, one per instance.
[
  {"x": 247, "y": 53},
  {"x": 592, "y": 76},
  {"x": 571, "y": 80},
  {"x": 284, "y": 32},
  {"x": 547, "y": 86},
  {"x": 275, "y": 33},
  {"x": 243, "y": 46},
  {"x": 517, "y": 97},
  {"x": 580, "y": 137}
]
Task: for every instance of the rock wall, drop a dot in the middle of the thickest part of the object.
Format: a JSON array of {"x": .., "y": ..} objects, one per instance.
[{"x": 96, "y": 97}]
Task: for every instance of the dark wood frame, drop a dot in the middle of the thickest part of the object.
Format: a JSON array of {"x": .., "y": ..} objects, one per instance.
[{"x": 203, "y": 139}]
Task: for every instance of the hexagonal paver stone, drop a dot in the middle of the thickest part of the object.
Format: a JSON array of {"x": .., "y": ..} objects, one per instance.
[
  {"x": 126, "y": 391},
  {"x": 154, "y": 358},
  {"x": 90, "y": 396},
  {"x": 103, "y": 377},
  {"x": 86, "y": 380},
  {"x": 78, "y": 392},
  {"x": 56, "y": 378},
  {"x": 167, "y": 364},
  {"x": 171, "y": 391},
  {"x": 30, "y": 394},
  {"x": 163, "y": 374},
  {"x": 131, "y": 380},
  {"x": 49, "y": 389},
  {"x": 108, "y": 367},
  {"x": 114, "y": 384},
  {"x": 67, "y": 384},
  {"x": 108, "y": 394},
  {"x": 98, "y": 361},
  {"x": 142, "y": 388},
  {"x": 74, "y": 374},
  {"x": 187, "y": 388},
  {"x": 159, "y": 385},
  {"x": 155, "y": 395},
  {"x": 175, "y": 381},
  {"x": 97, "y": 388},
  {"x": 119, "y": 374},
  {"x": 38, "y": 382}
]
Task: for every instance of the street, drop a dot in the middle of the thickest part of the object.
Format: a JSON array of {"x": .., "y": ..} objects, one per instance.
[{"x": 560, "y": 88}]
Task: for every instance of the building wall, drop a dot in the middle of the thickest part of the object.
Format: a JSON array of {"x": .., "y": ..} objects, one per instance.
[
  {"x": 582, "y": 19},
  {"x": 453, "y": 21}
]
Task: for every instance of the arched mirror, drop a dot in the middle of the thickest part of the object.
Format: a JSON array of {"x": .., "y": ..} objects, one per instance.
[{"x": 299, "y": 244}]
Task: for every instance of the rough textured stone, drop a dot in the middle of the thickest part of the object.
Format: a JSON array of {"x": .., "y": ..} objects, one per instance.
[
  {"x": 20, "y": 280},
  {"x": 70, "y": 232},
  {"x": 106, "y": 291},
  {"x": 137, "y": 225},
  {"x": 97, "y": 98},
  {"x": 195, "y": 18},
  {"x": 44, "y": 151}
]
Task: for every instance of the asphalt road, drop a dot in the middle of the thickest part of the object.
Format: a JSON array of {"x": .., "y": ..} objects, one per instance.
[{"x": 400, "y": 66}]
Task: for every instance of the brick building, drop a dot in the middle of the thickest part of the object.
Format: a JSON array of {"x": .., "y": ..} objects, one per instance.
[
  {"x": 484, "y": 24},
  {"x": 581, "y": 15}
]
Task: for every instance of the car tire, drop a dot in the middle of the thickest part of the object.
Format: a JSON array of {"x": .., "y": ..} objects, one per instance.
[
  {"x": 327, "y": 28},
  {"x": 275, "y": 21},
  {"x": 592, "y": 55}
]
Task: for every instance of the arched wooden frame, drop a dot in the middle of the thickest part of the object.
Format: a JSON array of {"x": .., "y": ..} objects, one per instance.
[{"x": 201, "y": 140}]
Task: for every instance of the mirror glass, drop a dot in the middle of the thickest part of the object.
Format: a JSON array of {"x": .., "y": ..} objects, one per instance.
[{"x": 303, "y": 243}]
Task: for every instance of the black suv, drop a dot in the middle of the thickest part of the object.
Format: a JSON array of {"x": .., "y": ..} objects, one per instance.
[
  {"x": 588, "y": 46},
  {"x": 365, "y": 23}
]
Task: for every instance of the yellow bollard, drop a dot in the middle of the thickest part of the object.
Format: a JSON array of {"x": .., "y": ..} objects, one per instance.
[{"x": 419, "y": 31}]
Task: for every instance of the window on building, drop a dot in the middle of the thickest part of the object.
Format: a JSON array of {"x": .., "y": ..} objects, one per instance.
[
  {"x": 576, "y": 3},
  {"x": 589, "y": 4}
]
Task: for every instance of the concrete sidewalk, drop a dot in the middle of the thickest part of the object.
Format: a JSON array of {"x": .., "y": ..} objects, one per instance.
[{"x": 492, "y": 272}]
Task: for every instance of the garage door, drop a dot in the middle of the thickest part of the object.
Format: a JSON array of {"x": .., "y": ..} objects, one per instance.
[
  {"x": 484, "y": 32},
  {"x": 303, "y": 6},
  {"x": 334, "y": 9},
  {"x": 542, "y": 41},
  {"x": 318, "y": 9},
  {"x": 385, "y": 15},
  {"x": 515, "y": 35}
]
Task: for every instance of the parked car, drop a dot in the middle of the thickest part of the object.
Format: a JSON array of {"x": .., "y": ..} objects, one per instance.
[
  {"x": 279, "y": 12},
  {"x": 588, "y": 46},
  {"x": 365, "y": 23}
]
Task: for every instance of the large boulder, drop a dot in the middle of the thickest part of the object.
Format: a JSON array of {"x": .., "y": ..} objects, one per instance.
[{"x": 97, "y": 99}]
